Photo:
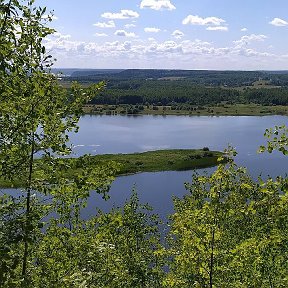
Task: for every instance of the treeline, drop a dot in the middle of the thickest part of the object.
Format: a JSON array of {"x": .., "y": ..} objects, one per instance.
[
  {"x": 199, "y": 77},
  {"x": 163, "y": 93},
  {"x": 276, "y": 96},
  {"x": 182, "y": 91}
]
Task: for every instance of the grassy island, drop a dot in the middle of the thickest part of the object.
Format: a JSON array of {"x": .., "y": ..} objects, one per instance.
[
  {"x": 151, "y": 161},
  {"x": 163, "y": 160}
]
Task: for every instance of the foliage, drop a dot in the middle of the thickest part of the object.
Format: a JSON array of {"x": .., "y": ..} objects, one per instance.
[
  {"x": 230, "y": 231},
  {"x": 35, "y": 116},
  {"x": 111, "y": 250},
  {"x": 279, "y": 140}
]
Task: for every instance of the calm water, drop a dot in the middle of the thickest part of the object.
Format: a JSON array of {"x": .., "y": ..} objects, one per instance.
[{"x": 125, "y": 134}]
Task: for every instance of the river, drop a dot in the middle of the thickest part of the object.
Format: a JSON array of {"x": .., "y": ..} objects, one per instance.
[{"x": 127, "y": 134}]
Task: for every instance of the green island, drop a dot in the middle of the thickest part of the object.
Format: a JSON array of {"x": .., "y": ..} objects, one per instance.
[
  {"x": 150, "y": 161},
  {"x": 163, "y": 160}
]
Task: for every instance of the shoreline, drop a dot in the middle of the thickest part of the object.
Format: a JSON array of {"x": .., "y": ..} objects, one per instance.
[{"x": 226, "y": 110}]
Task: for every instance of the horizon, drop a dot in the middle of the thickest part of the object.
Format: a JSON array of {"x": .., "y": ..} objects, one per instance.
[{"x": 170, "y": 69}]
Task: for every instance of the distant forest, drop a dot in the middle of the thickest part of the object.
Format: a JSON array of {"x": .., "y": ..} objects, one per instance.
[{"x": 194, "y": 87}]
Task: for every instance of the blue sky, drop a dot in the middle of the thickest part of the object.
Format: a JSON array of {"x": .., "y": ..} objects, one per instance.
[{"x": 170, "y": 34}]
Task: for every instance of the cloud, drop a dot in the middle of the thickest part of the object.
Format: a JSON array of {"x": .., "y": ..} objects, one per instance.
[
  {"x": 247, "y": 39},
  {"x": 177, "y": 34},
  {"x": 60, "y": 42},
  {"x": 123, "y": 14},
  {"x": 123, "y": 33},
  {"x": 168, "y": 46},
  {"x": 253, "y": 53},
  {"x": 208, "y": 21},
  {"x": 278, "y": 22},
  {"x": 244, "y": 29},
  {"x": 157, "y": 4},
  {"x": 101, "y": 35},
  {"x": 199, "y": 47},
  {"x": 129, "y": 26},
  {"x": 152, "y": 30},
  {"x": 109, "y": 24},
  {"x": 217, "y": 28},
  {"x": 166, "y": 54},
  {"x": 48, "y": 17},
  {"x": 61, "y": 36}
]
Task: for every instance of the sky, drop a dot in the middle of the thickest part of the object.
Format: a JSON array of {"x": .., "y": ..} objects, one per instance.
[{"x": 169, "y": 34}]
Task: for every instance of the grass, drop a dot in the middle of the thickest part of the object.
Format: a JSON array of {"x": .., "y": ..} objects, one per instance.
[
  {"x": 163, "y": 160},
  {"x": 151, "y": 161}
]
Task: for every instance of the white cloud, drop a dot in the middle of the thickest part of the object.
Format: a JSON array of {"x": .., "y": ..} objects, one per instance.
[
  {"x": 109, "y": 24},
  {"x": 123, "y": 14},
  {"x": 101, "y": 35},
  {"x": 129, "y": 26},
  {"x": 278, "y": 22},
  {"x": 157, "y": 4},
  {"x": 151, "y": 48},
  {"x": 247, "y": 39},
  {"x": 152, "y": 30},
  {"x": 60, "y": 36},
  {"x": 198, "y": 47},
  {"x": 124, "y": 33},
  {"x": 217, "y": 28},
  {"x": 60, "y": 42},
  {"x": 48, "y": 17},
  {"x": 177, "y": 34},
  {"x": 187, "y": 54},
  {"x": 244, "y": 29},
  {"x": 253, "y": 53},
  {"x": 169, "y": 46},
  {"x": 197, "y": 20}
]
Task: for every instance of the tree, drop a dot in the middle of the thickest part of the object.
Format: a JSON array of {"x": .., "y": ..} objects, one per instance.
[
  {"x": 207, "y": 224},
  {"x": 35, "y": 116},
  {"x": 115, "y": 249},
  {"x": 278, "y": 139},
  {"x": 230, "y": 231}
]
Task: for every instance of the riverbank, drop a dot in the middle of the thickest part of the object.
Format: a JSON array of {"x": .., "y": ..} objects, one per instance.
[
  {"x": 184, "y": 109},
  {"x": 151, "y": 161}
]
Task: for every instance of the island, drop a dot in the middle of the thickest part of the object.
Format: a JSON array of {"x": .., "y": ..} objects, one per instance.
[{"x": 149, "y": 161}]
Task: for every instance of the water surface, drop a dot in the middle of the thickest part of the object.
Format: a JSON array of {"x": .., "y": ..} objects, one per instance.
[{"x": 127, "y": 134}]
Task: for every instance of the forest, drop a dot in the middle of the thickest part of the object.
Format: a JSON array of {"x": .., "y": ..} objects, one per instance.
[
  {"x": 228, "y": 231},
  {"x": 180, "y": 91},
  {"x": 166, "y": 87},
  {"x": 201, "y": 77}
]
